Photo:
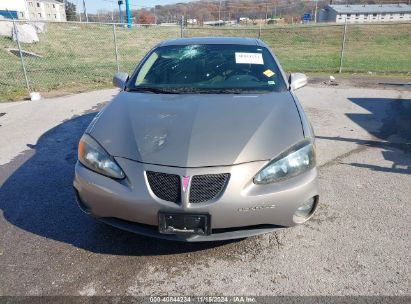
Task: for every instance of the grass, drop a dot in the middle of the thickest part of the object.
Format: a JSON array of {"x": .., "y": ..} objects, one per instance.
[{"x": 81, "y": 57}]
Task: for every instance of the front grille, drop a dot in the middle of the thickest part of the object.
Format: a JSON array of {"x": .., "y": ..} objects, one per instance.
[
  {"x": 207, "y": 187},
  {"x": 165, "y": 186}
]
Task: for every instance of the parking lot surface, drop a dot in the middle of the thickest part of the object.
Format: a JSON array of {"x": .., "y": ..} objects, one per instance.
[{"x": 358, "y": 242}]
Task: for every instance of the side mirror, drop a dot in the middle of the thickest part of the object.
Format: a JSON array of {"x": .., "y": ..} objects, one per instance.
[
  {"x": 120, "y": 79},
  {"x": 297, "y": 80}
]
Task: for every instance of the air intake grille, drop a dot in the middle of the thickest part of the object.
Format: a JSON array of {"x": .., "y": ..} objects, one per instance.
[
  {"x": 207, "y": 187},
  {"x": 165, "y": 186}
]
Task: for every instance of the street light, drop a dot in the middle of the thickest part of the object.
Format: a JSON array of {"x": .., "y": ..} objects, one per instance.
[{"x": 128, "y": 15}]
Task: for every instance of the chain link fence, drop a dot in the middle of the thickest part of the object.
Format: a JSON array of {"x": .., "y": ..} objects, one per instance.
[
  {"x": 74, "y": 57},
  {"x": 299, "y": 48},
  {"x": 383, "y": 48}
]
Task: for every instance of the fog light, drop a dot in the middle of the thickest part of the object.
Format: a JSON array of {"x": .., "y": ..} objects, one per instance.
[{"x": 304, "y": 211}]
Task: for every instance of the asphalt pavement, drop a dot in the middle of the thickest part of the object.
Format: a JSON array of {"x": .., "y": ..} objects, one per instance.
[{"x": 358, "y": 242}]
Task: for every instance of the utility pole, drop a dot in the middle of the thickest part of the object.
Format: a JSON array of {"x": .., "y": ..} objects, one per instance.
[
  {"x": 85, "y": 10},
  {"x": 315, "y": 12},
  {"x": 78, "y": 8},
  {"x": 266, "y": 13},
  {"x": 219, "y": 12},
  {"x": 182, "y": 27},
  {"x": 112, "y": 12}
]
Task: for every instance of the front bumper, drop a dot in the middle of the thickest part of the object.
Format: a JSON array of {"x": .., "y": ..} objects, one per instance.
[{"x": 243, "y": 209}]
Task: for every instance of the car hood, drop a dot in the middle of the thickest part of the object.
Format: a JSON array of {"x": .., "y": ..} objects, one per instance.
[{"x": 198, "y": 130}]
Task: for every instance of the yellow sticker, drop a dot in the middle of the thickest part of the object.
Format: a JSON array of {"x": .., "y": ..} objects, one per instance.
[{"x": 268, "y": 73}]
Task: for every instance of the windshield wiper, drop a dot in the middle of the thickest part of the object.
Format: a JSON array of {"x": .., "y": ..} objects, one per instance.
[
  {"x": 151, "y": 90},
  {"x": 222, "y": 91},
  {"x": 185, "y": 90}
]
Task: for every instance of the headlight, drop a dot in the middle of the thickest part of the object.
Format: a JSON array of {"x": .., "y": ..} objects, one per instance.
[
  {"x": 94, "y": 157},
  {"x": 293, "y": 162}
]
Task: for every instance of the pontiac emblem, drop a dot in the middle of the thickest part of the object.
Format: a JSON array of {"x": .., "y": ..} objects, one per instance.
[{"x": 186, "y": 180}]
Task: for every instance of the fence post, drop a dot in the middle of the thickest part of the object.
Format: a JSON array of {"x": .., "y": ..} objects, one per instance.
[
  {"x": 115, "y": 46},
  {"x": 343, "y": 46},
  {"x": 23, "y": 65},
  {"x": 182, "y": 27}
]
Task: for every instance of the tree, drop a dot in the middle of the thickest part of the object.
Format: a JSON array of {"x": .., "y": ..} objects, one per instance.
[
  {"x": 71, "y": 12},
  {"x": 145, "y": 17}
]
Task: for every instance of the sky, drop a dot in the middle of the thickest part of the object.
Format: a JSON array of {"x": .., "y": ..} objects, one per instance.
[{"x": 94, "y": 5}]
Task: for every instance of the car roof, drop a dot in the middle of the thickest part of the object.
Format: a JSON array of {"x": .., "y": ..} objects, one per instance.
[{"x": 213, "y": 40}]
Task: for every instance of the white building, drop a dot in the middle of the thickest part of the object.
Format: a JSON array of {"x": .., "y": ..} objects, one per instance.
[
  {"x": 39, "y": 10},
  {"x": 191, "y": 21},
  {"x": 46, "y": 10},
  {"x": 359, "y": 13}
]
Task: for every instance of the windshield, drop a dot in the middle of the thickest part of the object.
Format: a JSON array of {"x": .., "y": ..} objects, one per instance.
[{"x": 210, "y": 68}]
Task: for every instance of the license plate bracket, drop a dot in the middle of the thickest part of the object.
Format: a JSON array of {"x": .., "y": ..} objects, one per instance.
[{"x": 184, "y": 224}]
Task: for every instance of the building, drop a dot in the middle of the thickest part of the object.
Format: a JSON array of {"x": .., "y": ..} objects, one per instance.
[
  {"x": 192, "y": 21},
  {"x": 38, "y": 10},
  {"x": 46, "y": 10},
  {"x": 360, "y": 13}
]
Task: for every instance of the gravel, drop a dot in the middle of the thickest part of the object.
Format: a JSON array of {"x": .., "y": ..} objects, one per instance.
[{"x": 358, "y": 243}]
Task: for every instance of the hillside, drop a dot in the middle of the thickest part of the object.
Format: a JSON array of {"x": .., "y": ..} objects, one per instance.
[{"x": 205, "y": 10}]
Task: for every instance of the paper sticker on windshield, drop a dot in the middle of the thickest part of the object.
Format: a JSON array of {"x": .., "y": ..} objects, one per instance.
[
  {"x": 268, "y": 73},
  {"x": 271, "y": 82},
  {"x": 249, "y": 58}
]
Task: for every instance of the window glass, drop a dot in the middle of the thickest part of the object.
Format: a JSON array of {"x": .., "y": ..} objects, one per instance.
[{"x": 209, "y": 68}]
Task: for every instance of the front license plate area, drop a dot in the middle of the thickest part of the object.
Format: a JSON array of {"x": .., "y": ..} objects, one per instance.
[{"x": 186, "y": 224}]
